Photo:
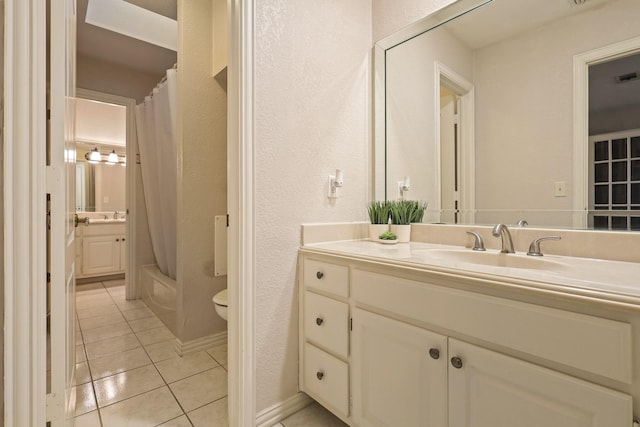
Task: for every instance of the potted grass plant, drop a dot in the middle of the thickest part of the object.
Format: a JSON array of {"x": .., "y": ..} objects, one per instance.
[
  {"x": 403, "y": 213},
  {"x": 379, "y": 217}
]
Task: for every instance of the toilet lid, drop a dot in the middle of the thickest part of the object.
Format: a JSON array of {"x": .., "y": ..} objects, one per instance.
[{"x": 221, "y": 298}]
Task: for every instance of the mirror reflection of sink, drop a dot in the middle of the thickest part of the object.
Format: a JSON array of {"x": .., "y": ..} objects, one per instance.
[{"x": 493, "y": 259}]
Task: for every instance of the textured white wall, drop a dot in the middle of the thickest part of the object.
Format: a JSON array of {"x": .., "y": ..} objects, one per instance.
[
  {"x": 202, "y": 172},
  {"x": 312, "y": 106},
  {"x": 391, "y": 15}
]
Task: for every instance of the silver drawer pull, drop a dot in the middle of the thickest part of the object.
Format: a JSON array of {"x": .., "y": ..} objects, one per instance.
[
  {"x": 434, "y": 353},
  {"x": 320, "y": 375},
  {"x": 319, "y": 321},
  {"x": 319, "y": 275}
]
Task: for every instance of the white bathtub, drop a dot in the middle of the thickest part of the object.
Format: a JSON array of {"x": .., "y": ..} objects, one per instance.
[{"x": 160, "y": 293}]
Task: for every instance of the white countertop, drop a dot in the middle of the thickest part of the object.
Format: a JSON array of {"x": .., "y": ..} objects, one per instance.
[{"x": 613, "y": 281}]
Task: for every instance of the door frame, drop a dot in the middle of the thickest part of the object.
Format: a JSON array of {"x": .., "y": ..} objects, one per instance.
[
  {"x": 24, "y": 213},
  {"x": 446, "y": 76},
  {"x": 240, "y": 205},
  {"x": 132, "y": 290},
  {"x": 581, "y": 63}
]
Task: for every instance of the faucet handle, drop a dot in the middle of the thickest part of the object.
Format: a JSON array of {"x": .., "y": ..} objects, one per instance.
[
  {"x": 478, "y": 244},
  {"x": 534, "y": 247}
]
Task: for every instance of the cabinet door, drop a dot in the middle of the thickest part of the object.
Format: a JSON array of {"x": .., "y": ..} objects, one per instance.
[
  {"x": 399, "y": 373},
  {"x": 488, "y": 389},
  {"x": 101, "y": 255}
]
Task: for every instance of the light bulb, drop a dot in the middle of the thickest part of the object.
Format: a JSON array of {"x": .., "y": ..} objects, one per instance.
[
  {"x": 113, "y": 158},
  {"x": 95, "y": 156}
]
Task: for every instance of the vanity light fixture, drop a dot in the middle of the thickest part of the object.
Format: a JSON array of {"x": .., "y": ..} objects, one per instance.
[
  {"x": 113, "y": 158},
  {"x": 335, "y": 181},
  {"x": 404, "y": 186},
  {"x": 94, "y": 156}
]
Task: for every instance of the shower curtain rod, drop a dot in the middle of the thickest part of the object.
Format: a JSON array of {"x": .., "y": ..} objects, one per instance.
[{"x": 162, "y": 80}]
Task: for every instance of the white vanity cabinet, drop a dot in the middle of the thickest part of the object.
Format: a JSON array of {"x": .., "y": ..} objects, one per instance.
[
  {"x": 403, "y": 350},
  {"x": 103, "y": 250}
]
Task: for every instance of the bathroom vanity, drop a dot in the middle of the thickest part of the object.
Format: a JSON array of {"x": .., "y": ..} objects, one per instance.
[
  {"x": 101, "y": 248},
  {"x": 423, "y": 334}
]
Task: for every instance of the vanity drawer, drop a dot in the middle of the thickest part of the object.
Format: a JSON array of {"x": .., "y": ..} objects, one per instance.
[
  {"x": 326, "y": 323},
  {"x": 326, "y": 379},
  {"x": 590, "y": 343},
  {"x": 326, "y": 277}
]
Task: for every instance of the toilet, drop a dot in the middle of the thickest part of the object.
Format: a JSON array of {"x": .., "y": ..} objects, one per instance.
[{"x": 220, "y": 301}]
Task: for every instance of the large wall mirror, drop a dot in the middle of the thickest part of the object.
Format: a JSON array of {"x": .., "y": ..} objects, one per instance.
[
  {"x": 509, "y": 110},
  {"x": 100, "y": 156}
]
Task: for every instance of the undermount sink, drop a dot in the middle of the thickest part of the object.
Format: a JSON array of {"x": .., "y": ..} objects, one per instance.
[
  {"x": 493, "y": 259},
  {"x": 106, "y": 220}
]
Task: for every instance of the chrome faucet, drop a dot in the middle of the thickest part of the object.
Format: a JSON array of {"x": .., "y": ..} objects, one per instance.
[
  {"x": 502, "y": 231},
  {"x": 115, "y": 215}
]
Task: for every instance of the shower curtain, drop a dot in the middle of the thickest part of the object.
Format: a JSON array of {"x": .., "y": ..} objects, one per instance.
[{"x": 156, "y": 123}]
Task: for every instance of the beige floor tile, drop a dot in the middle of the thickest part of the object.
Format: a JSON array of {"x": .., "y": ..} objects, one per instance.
[
  {"x": 126, "y": 305},
  {"x": 219, "y": 353},
  {"x": 148, "y": 409},
  {"x": 182, "y": 421},
  {"x": 82, "y": 373},
  {"x": 87, "y": 287},
  {"x": 154, "y": 335},
  {"x": 162, "y": 350},
  {"x": 97, "y": 321},
  {"x": 114, "y": 283},
  {"x": 100, "y": 310},
  {"x": 118, "y": 362},
  {"x": 313, "y": 415},
  {"x": 181, "y": 367},
  {"x": 126, "y": 384},
  {"x": 94, "y": 301},
  {"x": 106, "y": 332},
  {"x": 90, "y": 419},
  {"x": 200, "y": 389},
  {"x": 85, "y": 400},
  {"x": 145, "y": 324},
  {"x": 111, "y": 346},
  {"x": 78, "y": 338},
  {"x": 212, "y": 415},
  {"x": 138, "y": 313},
  {"x": 80, "y": 355}
]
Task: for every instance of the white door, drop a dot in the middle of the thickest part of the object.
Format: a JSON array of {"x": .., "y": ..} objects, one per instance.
[
  {"x": 399, "y": 373},
  {"x": 61, "y": 187},
  {"x": 489, "y": 389}
]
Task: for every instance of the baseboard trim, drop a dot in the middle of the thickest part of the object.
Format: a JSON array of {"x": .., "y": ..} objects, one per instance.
[
  {"x": 202, "y": 343},
  {"x": 282, "y": 410}
]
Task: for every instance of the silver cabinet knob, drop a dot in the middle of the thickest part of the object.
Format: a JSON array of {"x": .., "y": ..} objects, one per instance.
[
  {"x": 319, "y": 321},
  {"x": 456, "y": 362},
  {"x": 320, "y": 375},
  {"x": 319, "y": 274},
  {"x": 117, "y": 240},
  {"x": 434, "y": 353}
]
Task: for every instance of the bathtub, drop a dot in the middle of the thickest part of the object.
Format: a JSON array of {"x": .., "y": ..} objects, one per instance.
[{"x": 160, "y": 293}]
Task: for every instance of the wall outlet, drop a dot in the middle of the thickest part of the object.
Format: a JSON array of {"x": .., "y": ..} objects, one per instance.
[{"x": 560, "y": 189}]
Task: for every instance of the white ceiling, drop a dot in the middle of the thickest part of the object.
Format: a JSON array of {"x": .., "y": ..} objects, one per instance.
[{"x": 105, "y": 45}]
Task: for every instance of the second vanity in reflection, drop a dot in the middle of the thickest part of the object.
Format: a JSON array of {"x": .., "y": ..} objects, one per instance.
[
  {"x": 101, "y": 247},
  {"x": 419, "y": 335}
]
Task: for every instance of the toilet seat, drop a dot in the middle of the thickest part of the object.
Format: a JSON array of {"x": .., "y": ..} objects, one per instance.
[{"x": 221, "y": 298}]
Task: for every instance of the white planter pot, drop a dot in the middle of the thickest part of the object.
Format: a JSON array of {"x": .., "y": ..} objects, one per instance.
[
  {"x": 402, "y": 231},
  {"x": 376, "y": 230}
]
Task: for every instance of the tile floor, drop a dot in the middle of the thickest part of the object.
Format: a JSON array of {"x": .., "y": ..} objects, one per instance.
[{"x": 128, "y": 373}]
